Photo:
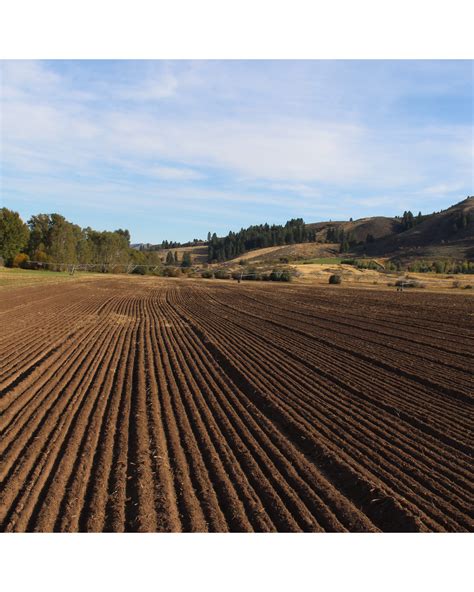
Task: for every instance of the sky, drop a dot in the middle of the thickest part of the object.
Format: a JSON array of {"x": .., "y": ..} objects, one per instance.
[{"x": 174, "y": 149}]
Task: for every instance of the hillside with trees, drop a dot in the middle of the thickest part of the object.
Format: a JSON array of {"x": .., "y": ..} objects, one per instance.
[
  {"x": 445, "y": 234},
  {"x": 449, "y": 233},
  {"x": 51, "y": 240},
  {"x": 258, "y": 237}
]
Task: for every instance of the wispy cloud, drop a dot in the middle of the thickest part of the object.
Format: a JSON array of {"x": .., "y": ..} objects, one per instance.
[
  {"x": 174, "y": 173},
  {"x": 441, "y": 189},
  {"x": 153, "y": 89},
  {"x": 279, "y": 138}
]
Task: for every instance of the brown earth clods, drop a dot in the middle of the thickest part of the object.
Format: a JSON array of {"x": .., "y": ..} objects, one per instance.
[{"x": 181, "y": 405}]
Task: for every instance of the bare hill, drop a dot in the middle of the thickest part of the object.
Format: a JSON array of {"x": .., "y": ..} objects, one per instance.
[
  {"x": 445, "y": 234},
  {"x": 377, "y": 227}
]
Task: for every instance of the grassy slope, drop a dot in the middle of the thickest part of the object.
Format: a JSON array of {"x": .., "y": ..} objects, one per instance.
[
  {"x": 301, "y": 251},
  {"x": 25, "y": 277},
  {"x": 377, "y": 226}
]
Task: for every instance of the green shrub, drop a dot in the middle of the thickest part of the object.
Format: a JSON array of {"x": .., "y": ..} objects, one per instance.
[
  {"x": 335, "y": 279},
  {"x": 409, "y": 284},
  {"x": 222, "y": 274},
  {"x": 172, "y": 272},
  {"x": 251, "y": 274}
]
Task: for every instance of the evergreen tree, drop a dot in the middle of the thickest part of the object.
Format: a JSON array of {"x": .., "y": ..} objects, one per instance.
[
  {"x": 186, "y": 262},
  {"x": 256, "y": 237},
  {"x": 407, "y": 220},
  {"x": 169, "y": 258},
  {"x": 351, "y": 239},
  {"x": 331, "y": 236},
  {"x": 344, "y": 246}
]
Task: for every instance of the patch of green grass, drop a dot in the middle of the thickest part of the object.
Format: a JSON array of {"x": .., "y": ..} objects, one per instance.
[
  {"x": 321, "y": 261},
  {"x": 26, "y": 277},
  {"x": 18, "y": 272}
]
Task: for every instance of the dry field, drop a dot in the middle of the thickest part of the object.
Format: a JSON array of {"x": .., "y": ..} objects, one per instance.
[
  {"x": 145, "y": 404},
  {"x": 292, "y": 252},
  {"x": 317, "y": 273}
]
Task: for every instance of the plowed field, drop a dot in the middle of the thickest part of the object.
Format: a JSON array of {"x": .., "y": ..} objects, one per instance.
[{"x": 179, "y": 405}]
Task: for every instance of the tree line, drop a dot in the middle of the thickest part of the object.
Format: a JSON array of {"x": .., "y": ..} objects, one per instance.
[
  {"x": 258, "y": 237},
  {"x": 50, "y": 240},
  {"x": 165, "y": 245},
  {"x": 294, "y": 231}
]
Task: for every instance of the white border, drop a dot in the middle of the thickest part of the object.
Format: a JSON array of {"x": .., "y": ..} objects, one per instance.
[
  {"x": 221, "y": 29},
  {"x": 246, "y": 29},
  {"x": 352, "y": 562}
]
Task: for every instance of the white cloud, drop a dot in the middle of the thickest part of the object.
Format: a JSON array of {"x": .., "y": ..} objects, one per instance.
[
  {"x": 22, "y": 78},
  {"x": 441, "y": 189},
  {"x": 297, "y": 188},
  {"x": 27, "y": 80},
  {"x": 50, "y": 129},
  {"x": 294, "y": 151},
  {"x": 173, "y": 173},
  {"x": 285, "y": 150},
  {"x": 151, "y": 90}
]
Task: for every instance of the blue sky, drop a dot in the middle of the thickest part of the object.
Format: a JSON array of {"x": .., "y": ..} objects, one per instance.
[{"x": 171, "y": 150}]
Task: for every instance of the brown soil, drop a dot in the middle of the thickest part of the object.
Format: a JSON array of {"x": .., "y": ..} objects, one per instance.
[{"x": 132, "y": 404}]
